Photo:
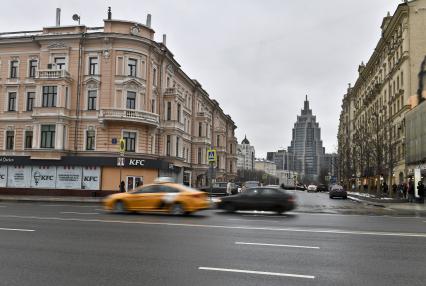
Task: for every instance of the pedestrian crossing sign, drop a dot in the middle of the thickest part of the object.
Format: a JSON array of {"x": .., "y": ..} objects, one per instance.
[{"x": 211, "y": 155}]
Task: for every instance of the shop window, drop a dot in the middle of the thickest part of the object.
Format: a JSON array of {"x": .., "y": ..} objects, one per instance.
[{"x": 133, "y": 182}]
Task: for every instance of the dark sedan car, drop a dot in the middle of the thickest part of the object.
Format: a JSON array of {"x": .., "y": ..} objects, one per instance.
[
  {"x": 337, "y": 191},
  {"x": 260, "y": 199},
  {"x": 322, "y": 188}
]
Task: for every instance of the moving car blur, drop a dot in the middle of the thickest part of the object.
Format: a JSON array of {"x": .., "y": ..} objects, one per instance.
[
  {"x": 162, "y": 196},
  {"x": 337, "y": 191},
  {"x": 260, "y": 199}
]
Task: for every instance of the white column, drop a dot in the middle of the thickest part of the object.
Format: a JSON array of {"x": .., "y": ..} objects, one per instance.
[
  {"x": 36, "y": 136},
  {"x": 59, "y": 136}
]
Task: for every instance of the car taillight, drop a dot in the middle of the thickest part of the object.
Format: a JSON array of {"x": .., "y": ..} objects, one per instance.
[{"x": 291, "y": 200}]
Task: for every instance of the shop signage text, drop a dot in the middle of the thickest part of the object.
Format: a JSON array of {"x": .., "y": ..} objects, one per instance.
[{"x": 136, "y": 162}]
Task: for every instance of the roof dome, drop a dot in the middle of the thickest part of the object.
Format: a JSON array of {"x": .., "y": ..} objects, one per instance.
[{"x": 245, "y": 141}]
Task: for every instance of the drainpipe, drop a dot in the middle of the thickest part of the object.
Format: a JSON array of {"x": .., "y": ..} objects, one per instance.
[{"x": 79, "y": 76}]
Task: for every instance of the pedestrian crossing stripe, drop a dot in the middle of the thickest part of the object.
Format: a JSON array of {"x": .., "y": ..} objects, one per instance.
[{"x": 211, "y": 155}]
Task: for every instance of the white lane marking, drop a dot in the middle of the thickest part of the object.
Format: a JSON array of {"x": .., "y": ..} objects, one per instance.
[
  {"x": 289, "y": 229},
  {"x": 71, "y": 206},
  {"x": 328, "y": 214},
  {"x": 278, "y": 245},
  {"x": 16, "y": 229},
  {"x": 257, "y": 272},
  {"x": 241, "y": 219},
  {"x": 254, "y": 215},
  {"x": 79, "y": 213}
]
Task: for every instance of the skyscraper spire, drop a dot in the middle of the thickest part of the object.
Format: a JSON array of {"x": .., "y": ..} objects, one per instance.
[{"x": 306, "y": 104}]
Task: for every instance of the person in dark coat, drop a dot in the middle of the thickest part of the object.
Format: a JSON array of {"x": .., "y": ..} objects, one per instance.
[
  {"x": 122, "y": 187},
  {"x": 421, "y": 191},
  {"x": 411, "y": 191},
  {"x": 385, "y": 188},
  {"x": 394, "y": 190},
  {"x": 405, "y": 190}
]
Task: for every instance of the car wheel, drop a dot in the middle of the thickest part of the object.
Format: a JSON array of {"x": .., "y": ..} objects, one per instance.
[
  {"x": 177, "y": 209},
  {"x": 229, "y": 207},
  {"x": 345, "y": 197},
  {"x": 119, "y": 207},
  {"x": 331, "y": 197},
  {"x": 279, "y": 210}
]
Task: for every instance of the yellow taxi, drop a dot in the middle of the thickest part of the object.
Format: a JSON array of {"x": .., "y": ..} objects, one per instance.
[{"x": 167, "y": 197}]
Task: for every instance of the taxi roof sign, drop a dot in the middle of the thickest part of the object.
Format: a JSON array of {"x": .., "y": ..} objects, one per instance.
[{"x": 211, "y": 155}]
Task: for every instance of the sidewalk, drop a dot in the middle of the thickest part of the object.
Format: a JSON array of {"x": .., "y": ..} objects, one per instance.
[
  {"x": 398, "y": 205},
  {"x": 50, "y": 199}
]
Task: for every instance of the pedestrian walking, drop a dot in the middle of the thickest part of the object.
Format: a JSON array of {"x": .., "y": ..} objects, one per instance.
[
  {"x": 384, "y": 189},
  {"x": 400, "y": 190},
  {"x": 122, "y": 187},
  {"x": 228, "y": 189},
  {"x": 410, "y": 191},
  {"x": 421, "y": 191},
  {"x": 394, "y": 190},
  {"x": 404, "y": 190}
]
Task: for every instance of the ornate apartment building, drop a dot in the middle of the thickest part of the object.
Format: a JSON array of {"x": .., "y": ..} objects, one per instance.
[
  {"x": 371, "y": 136},
  {"x": 71, "y": 93}
]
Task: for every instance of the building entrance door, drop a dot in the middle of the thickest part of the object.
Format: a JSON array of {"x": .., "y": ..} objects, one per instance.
[{"x": 133, "y": 182}]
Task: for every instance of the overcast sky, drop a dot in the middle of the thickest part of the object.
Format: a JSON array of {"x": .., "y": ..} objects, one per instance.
[{"x": 258, "y": 59}]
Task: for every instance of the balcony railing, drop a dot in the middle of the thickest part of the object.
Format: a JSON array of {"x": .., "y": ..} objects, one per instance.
[
  {"x": 173, "y": 124},
  {"x": 52, "y": 74},
  {"x": 173, "y": 91},
  {"x": 130, "y": 115}
]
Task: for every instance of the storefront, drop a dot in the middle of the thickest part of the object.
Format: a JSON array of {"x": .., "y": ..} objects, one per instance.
[{"x": 79, "y": 172}]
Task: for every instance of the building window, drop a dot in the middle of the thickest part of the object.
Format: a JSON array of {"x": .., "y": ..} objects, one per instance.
[
  {"x": 11, "y": 101},
  {"x": 199, "y": 156},
  {"x": 131, "y": 100},
  {"x": 154, "y": 77},
  {"x": 131, "y": 66},
  {"x": 60, "y": 63},
  {"x": 153, "y": 105},
  {"x": 218, "y": 140},
  {"x": 230, "y": 149},
  {"x": 200, "y": 129},
  {"x": 91, "y": 99},
  {"x": 49, "y": 96},
  {"x": 33, "y": 68},
  {"x": 93, "y": 65},
  {"x": 178, "y": 112},
  {"x": 177, "y": 146},
  {"x": 10, "y": 139},
  {"x": 169, "y": 111},
  {"x": 168, "y": 146},
  {"x": 130, "y": 139},
  {"x": 90, "y": 140},
  {"x": 47, "y": 136},
  {"x": 28, "y": 139},
  {"x": 13, "y": 69},
  {"x": 30, "y": 100},
  {"x": 218, "y": 162}
]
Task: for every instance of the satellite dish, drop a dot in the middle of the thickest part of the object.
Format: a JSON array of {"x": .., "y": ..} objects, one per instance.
[{"x": 75, "y": 17}]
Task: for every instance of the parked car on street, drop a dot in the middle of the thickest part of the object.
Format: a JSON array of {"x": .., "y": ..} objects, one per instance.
[
  {"x": 170, "y": 198},
  {"x": 322, "y": 188},
  {"x": 312, "y": 188},
  {"x": 219, "y": 189},
  {"x": 337, "y": 191},
  {"x": 260, "y": 199}
]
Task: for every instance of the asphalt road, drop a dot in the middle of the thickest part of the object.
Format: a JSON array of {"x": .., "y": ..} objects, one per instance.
[{"x": 79, "y": 244}]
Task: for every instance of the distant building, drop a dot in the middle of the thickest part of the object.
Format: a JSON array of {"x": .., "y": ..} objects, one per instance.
[
  {"x": 280, "y": 158},
  {"x": 330, "y": 163},
  {"x": 306, "y": 150},
  {"x": 287, "y": 177},
  {"x": 245, "y": 155},
  {"x": 268, "y": 167}
]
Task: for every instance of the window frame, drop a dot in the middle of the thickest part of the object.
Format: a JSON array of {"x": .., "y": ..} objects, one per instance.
[
  {"x": 30, "y": 101},
  {"x": 132, "y": 143},
  {"x": 49, "y": 98},
  {"x": 133, "y": 100},
  {"x": 32, "y": 69},
  {"x": 92, "y": 100},
  {"x": 132, "y": 65},
  {"x": 10, "y": 140},
  {"x": 93, "y": 66},
  {"x": 11, "y": 101},
  {"x": 90, "y": 145},
  {"x": 47, "y": 136},
  {"x": 13, "y": 72},
  {"x": 26, "y": 141}
]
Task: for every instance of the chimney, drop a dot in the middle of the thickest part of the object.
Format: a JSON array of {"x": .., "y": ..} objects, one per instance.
[
  {"x": 109, "y": 13},
  {"x": 58, "y": 17},
  {"x": 148, "y": 20},
  {"x": 164, "y": 39}
]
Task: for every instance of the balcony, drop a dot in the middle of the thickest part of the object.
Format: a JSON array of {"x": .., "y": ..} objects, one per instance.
[
  {"x": 51, "y": 112},
  {"x": 172, "y": 92},
  {"x": 53, "y": 74},
  {"x": 129, "y": 115},
  {"x": 173, "y": 124}
]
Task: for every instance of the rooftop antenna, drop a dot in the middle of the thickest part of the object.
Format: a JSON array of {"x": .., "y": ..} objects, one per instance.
[{"x": 75, "y": 17}]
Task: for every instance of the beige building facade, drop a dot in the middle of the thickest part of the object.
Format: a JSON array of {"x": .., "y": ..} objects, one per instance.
[
  {"x": 71, "y": 93},
  {"x": 372, "y": 123}
]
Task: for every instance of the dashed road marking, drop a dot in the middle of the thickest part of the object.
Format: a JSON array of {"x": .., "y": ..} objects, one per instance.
[
  {"x": 277, "y": 245},
  {"x": 257, "y": 272},
  {"x": 79, "y": 213},
  {"x": 17, "y": 229}
]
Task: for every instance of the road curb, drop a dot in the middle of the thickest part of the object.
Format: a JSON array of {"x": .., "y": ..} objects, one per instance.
[{"x": 51, "y": 200}]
